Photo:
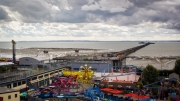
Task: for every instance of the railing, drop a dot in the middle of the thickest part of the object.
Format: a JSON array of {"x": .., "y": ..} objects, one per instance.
[{"x": 13, "y": 76}]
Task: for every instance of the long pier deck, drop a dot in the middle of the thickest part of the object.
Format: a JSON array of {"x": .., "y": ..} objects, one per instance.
[{"x": 124, "y": 53}]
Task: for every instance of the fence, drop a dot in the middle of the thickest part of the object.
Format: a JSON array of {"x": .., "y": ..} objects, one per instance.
[{"x": 13, "y": 76}]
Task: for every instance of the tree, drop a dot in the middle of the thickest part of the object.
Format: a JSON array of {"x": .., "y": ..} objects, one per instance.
[
  {"x": 150, "y": 74},
  {"x": 177, "y": 66},
  {"x": 2, "y": 69}
]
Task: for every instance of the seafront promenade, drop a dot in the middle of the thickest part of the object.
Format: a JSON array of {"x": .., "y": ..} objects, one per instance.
[{"x": 27, "y": 72}]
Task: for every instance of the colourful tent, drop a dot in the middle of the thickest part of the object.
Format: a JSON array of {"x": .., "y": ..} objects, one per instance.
[
  {"x": 112, "y": 91},
  {"x": 24, "y": 94},
  {"x": 137, "y": 96}
]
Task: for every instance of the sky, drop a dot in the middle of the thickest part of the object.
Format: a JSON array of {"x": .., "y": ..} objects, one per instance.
[{"x": 99, "y": 20}]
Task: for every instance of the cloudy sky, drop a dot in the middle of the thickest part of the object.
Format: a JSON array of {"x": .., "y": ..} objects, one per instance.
[{"x": 107, "y": 20}]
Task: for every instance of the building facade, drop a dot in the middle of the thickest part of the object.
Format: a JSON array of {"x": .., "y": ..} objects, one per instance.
[{"x": 7, "y": 94}]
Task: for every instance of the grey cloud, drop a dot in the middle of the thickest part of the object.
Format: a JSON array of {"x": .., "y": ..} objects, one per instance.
[
  {"x": 70, "y": 16},
  {"x": 142, "y": 3},
  {"x": 33, "y": 11},
  {"x": 3, "y": 14},
  {"x": 139, "y": 11}
]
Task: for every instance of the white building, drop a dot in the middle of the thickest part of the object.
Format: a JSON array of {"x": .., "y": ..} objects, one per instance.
[
  {"x": 31, "y": 61},
  {"x": 6, "y": 63}
]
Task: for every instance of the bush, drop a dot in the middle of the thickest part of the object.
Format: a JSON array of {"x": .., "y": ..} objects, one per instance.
[{"x": 2, "y": 69}]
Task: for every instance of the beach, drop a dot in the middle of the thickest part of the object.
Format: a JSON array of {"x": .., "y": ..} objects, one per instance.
[{"x": 52, "y": 52}]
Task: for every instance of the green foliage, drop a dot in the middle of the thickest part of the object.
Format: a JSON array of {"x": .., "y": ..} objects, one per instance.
[
  {"x": 85, "y": 59},
  {"x": 2, "y": 69},
  {"x": 150, "y": 74},
  {"x": 177, "y": 67},
  {"x": 154, "y": 91},
  {"x": 140, "y": 84}
]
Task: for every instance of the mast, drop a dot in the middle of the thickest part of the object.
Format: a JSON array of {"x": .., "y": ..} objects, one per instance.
[{"x": 14, "y": 51}]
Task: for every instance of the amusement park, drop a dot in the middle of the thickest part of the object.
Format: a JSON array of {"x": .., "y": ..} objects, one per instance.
[
  {"x": 76, "y": 78},
  {"x": 109, "y": 85}
]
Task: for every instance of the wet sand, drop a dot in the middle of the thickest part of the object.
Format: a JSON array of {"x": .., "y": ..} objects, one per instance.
[{"x": 53, "y": 52}]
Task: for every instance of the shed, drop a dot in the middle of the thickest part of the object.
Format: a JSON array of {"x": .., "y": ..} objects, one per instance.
[
  {"x": 28, "y": 61},
  {"x": 173, "y": 75}
]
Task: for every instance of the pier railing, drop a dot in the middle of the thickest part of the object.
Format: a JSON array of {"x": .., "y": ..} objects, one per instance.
[{"x": 23, "y": 74}]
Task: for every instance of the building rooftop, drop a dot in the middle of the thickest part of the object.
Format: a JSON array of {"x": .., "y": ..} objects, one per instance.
[
  {"x": 37, "y": 58},
  {"x": 6, "y": 63},
  {"x": 102, "y": 62},
  {"x": 6, "y": 90}
]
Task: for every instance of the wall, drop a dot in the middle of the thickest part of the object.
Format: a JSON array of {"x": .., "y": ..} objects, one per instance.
[
  {"x": 96, "y": 66},
  {"x": 12, "y": 94}
]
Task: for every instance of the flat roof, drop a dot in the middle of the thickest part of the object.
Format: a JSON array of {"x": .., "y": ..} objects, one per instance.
[
  {"x": 36, "y": 58},
  {"x": 7, "y": 90},
  {"x": 6, "y": 63},
  {"x": 95, "y": 62}
]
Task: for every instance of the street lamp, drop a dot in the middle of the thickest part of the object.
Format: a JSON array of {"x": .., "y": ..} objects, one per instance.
[{"x": 138, "y": 86}]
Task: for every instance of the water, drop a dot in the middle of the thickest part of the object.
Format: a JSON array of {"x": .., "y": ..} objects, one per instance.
[{"x": 159, "y": 49}]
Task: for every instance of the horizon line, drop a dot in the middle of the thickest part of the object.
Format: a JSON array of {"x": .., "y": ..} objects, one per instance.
[{"x": 97, "y": 41}]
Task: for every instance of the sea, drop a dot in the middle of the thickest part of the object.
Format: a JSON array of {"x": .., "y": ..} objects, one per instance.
[{"x": 154, "y": 51}]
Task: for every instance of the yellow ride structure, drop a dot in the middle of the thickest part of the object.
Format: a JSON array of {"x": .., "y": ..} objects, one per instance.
[{"x": 84, "y": 75}]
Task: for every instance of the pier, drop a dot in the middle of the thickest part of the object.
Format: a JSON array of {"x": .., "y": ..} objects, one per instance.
[
  {"x": 124, "y": 53},
  {"x": 119, "y": 58}
]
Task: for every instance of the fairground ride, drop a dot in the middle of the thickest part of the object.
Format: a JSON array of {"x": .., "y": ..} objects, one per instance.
[{"x": 84, "y": 75}]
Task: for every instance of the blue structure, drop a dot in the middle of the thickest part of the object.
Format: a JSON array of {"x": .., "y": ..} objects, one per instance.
[{"x": 94, "y": 94}]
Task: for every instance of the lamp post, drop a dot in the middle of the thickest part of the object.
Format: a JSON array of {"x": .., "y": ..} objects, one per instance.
[{"x": 138, "y": 91}]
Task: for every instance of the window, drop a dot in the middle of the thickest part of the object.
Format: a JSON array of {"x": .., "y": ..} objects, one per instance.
[
  {"x": 41, "y": 76},
  {"x": 9, "y": 96},
  {"x": 15, "y": 95},
  {"x": 14, "y": 84},
  {"x": 1, "y": 98},
  {"x": 46, "y": 75},
  {"x": 8, "y": 85},
  {"x": 19, "y": 83},
  {"x": 34, "y": 78},
  {"x": 23, "y": 82},
  {"x": 76, "y": 68},
  {"x": 51, "y": 74}
]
